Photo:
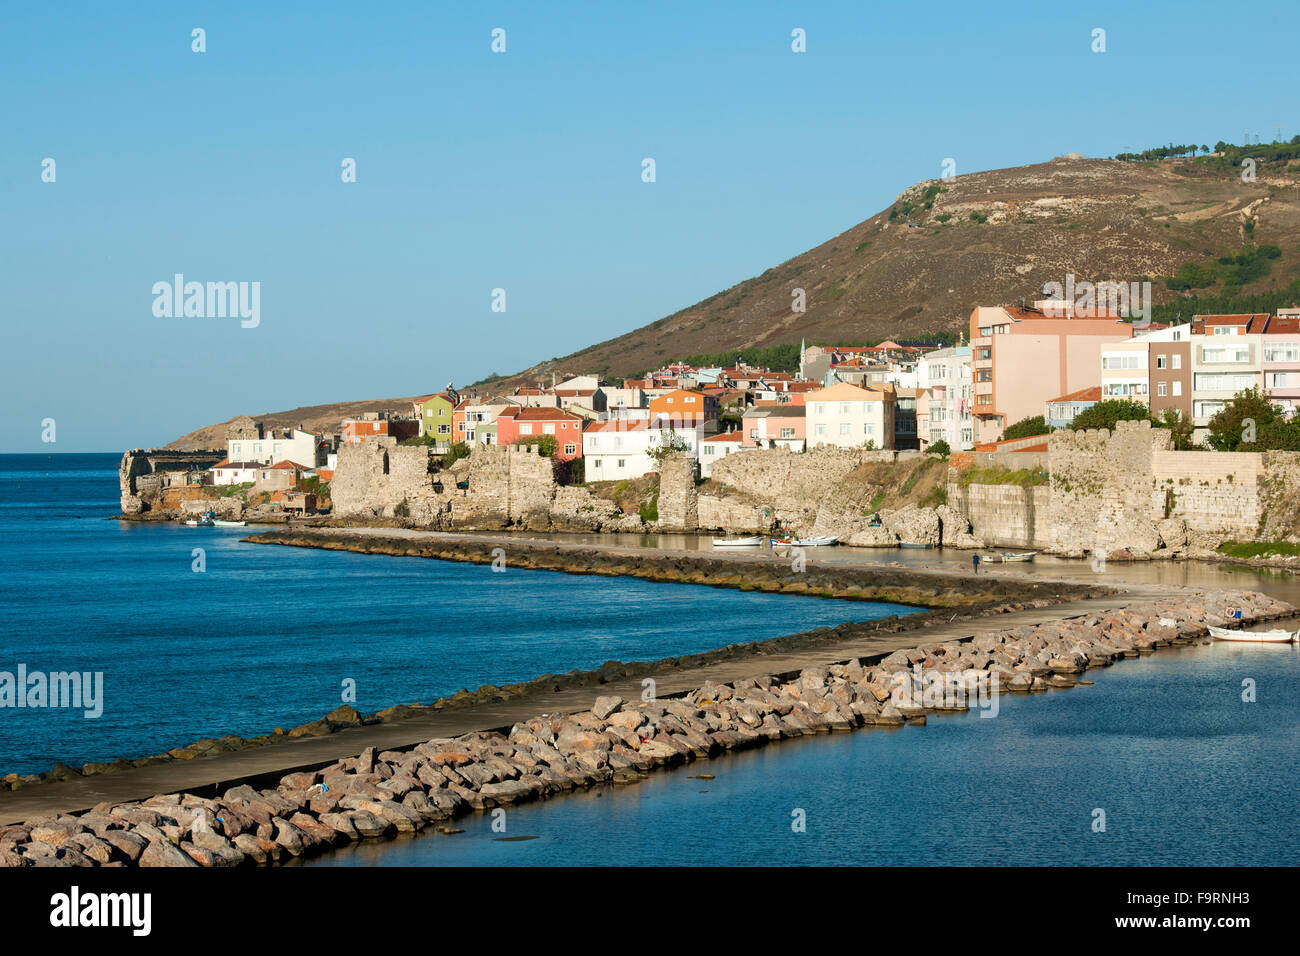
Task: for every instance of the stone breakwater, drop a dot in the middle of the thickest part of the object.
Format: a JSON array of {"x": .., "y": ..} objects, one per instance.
[
  {"x": 896, "y": 585},
  {"x": 377, "y": 795}
]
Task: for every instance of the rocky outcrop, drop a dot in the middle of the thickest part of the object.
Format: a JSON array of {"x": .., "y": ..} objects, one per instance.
[
  {"x": 914, "y": 525},
  {"x": 377, "y": 795}
]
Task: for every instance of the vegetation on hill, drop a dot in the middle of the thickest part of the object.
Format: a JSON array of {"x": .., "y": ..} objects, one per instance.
[{"x": 1026, "y": 428}]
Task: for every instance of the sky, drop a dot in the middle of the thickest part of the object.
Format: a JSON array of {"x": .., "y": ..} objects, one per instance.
[{"x": 520, "y": 170}]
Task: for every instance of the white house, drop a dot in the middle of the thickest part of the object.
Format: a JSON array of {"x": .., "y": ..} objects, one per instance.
[
  {"x": 716, "y": 447},
  {"x": 845, "y": 416},
  {"x": 289, "y": 445},
  {"x": 236, "y": 472},
  {"x": 617, "y": 449}
]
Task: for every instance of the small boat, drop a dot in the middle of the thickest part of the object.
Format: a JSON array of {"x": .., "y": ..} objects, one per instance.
[
  {"x": 1276, "y": 636},
  {"x": 820, "y": 542},
  {"x": 753, "y": 541},
  {"x": 204, "y": 522},
  {"x": 229, "y": 524},
  {"x": 1007, "y": 556}
]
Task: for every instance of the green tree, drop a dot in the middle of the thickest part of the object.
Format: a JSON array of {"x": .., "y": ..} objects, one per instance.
[
  {"x": 1026, "y": 428},
  {"x": 669, "y": 443},
  {"x": 1241, "y": 423},
  {"x": 1180, "y": 428},
  {"x": 457, "y": 451},
  {"x": 939, "y": 448},
  {"x": 546, "y": 444},
  {"x": 1106, "y": 414}
]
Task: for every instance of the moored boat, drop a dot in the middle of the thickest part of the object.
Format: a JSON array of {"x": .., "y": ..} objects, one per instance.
[
  {"x": 752, "y": 541},
  {"x": 1016, "y": 556},
  {"x": 1276, "y": 636},
  {"x": 229, "y": 524}
]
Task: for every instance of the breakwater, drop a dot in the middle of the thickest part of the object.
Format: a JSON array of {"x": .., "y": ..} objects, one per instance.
[
  {"x": 617, "y": 740},
  {"x": 753, "y": 572}
]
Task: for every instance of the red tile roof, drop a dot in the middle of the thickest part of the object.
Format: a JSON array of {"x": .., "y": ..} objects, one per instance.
[{"x": 1090, "y": 394}]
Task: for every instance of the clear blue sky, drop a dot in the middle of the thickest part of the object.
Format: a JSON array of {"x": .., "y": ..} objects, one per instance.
[{"x": 520, "y": 171}]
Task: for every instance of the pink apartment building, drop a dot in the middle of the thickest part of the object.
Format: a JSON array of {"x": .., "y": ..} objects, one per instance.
[{"x": 1022, "y": 357}]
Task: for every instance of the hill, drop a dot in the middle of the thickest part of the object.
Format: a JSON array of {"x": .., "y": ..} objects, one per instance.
[{"x": 916, "y": 269}]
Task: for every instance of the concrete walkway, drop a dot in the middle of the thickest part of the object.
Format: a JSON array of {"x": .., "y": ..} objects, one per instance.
[{"x": 265, "y": 765}]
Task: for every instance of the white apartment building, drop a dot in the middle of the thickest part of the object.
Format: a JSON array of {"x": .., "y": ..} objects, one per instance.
[
  {"x": 945, "y": 412},
  {"x": 620, "y": 448}
]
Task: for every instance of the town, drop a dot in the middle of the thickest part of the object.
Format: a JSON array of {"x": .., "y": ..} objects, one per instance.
[{"x": 1022, "y": 366}]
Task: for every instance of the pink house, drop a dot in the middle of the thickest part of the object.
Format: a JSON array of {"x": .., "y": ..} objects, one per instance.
[{"x": 775, "y": 426}]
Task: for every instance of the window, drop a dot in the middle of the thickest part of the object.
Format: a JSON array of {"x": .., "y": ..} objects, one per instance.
[
  {"x": 819, "y": 409},
  {"x": 844, "y": 428},
  {"x": 753, "y": 433},
  {"x": 1160, "y": 361},
  {"x": 570, "y": 449},
  {"x": 525, "y": 429},
  {"x": 548, "y": 428},
  {"x": 1162, "y": 388},
  {"x": 444, "y": 429},
  {"x": 1279, "y": 380},
  {"x": 1123, "y": 361},
  {"x": 820, "y": 431},
  {"x": 708, "y": 451},
  {"x": 844, "y": 408},
  {"x": 787, "y": 432},
  {"x": 984, "y": 375},
  {"x": 1178, "y": 388},
  {"x": 1224, "y": 381},
  {"x": 869, "y": 428},
  {"x": 1178, "y": 361},
  {"x": 1225, "y": 354},
  {"x": 1282, "y": 353},
  {"x": 622, "y": 462}
]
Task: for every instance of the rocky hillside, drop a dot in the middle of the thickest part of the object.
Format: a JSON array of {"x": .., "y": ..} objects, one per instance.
[
  {"x": 919, "y": 266},
  {"x": 989, "y": 238}
]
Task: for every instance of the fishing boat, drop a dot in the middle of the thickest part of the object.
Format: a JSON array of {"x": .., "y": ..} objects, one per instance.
[
  {"x": 229, "y": 524},
  {"x": 818, "y": 542},
  {"x": 205, "y": 522},
  {"x": 1007, "y": 556},
  {"x": 752, "y": 541},
  {"x": 1276, "y": 636}
]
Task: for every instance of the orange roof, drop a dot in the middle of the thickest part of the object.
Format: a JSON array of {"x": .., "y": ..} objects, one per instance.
[
  {"x": 725, "y": 436},
  {"x": 1090, "y": 394},
  {"x": 286, "y": 464}
]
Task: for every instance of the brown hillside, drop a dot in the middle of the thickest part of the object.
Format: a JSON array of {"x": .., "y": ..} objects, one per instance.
[
  {"x": 1098, "y": 219},
  {"x": 317, "y": 418}
]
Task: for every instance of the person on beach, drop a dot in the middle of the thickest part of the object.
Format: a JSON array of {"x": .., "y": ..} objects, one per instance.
[{"x": 975, "y": 562}]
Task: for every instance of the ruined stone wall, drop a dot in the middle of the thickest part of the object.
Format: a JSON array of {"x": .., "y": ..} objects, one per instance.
[
  {"x": 678, "y": 503},
  {"x": 531, "y": 487},
  {"x": 1279, "y": 496},
  {"x": 140, "y": 474},
  {"x": 1218, "y": 494},
  {"x": 1005, "y": 516}
]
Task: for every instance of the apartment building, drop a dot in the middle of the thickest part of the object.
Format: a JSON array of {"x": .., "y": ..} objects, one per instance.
[
  {"x": 846, "y": 416},
  {"x": 1281, "y": 359},
  {"x": 1022, "y": 357},
  {"x": 945, "y": 412},
  {"x": 1227, "y": 358}
]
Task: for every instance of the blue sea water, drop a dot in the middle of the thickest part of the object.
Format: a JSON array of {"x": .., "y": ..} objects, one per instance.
[
  {"x": 266, "y": 635},
  {"x": 1162, "y": 750}
]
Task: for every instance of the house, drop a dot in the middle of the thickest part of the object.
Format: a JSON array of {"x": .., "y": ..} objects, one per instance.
[
  {"x": 1059, "y": 412},
  {"x": 774, "y": 425},
  {"x": 716, "y": 447},
  {"x": 276, "y": 445},
  {"x": 367, "y": 428},
  {"x": 1022, "y": 357},
  {"x": 846, "y": 416},
  {"x": 235, "y": 472},
  {"x": 1281, "y": 365},
  {"x": 618, "y": 448},
  {"x": 905, "y": 418},
  {"x": 684, "y": 406},
  {"x": 434, "y": 413},
  {"x": 280, "y": 476},
  {"x": 516, "y": 422}
]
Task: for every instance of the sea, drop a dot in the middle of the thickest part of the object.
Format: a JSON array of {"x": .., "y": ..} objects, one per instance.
[{"x": 1184, "y": 757}]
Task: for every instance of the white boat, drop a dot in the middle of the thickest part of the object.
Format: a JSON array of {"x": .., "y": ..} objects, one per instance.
[
  {"x": 824, "y": 542},
  {"x": 200, "y": 522},
  {"x": 229, "y": 524},
  {"x": 753, "y": 541},
  {"x": 1277, "y": 636},
  {"x": 1007, "y": 556}
]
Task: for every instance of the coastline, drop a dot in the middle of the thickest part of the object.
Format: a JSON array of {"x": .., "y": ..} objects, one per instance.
[{"x": 403, "y": 790}]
